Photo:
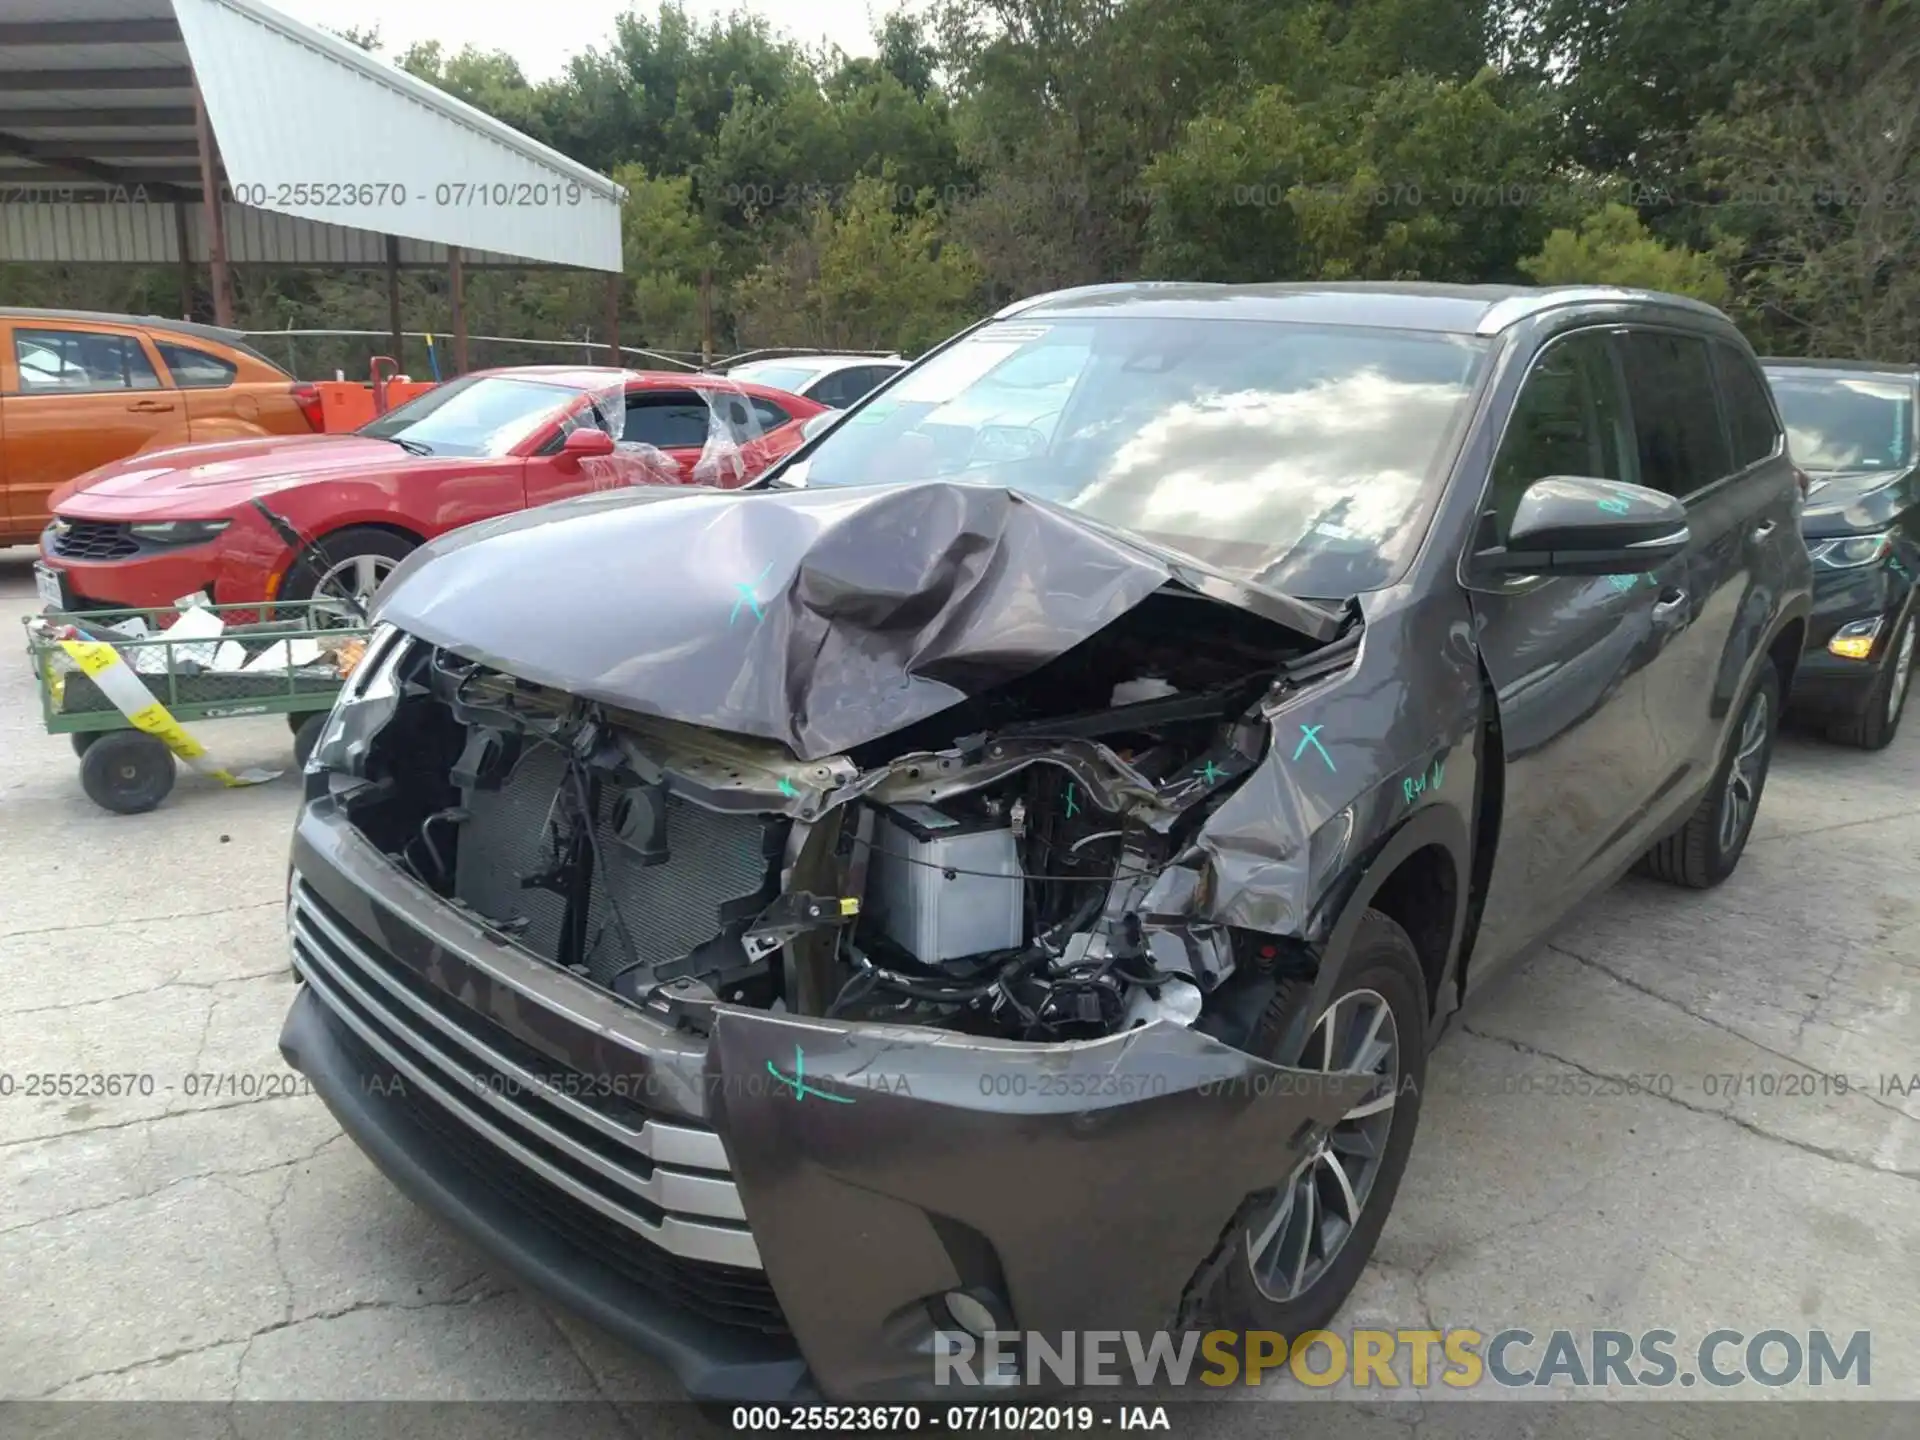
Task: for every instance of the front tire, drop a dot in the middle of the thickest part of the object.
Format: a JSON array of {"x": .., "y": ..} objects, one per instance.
[
  {"x": 345, "y": 566},
  {"x": 1707, "y": 849},
  {"x": 1293, "y": 1253},
  {"x": 1878, "y": 719}
]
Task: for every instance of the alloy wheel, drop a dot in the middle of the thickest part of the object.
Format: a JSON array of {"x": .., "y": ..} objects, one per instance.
[
  {"x": 354, "y": 579},
  {"x": 1746, "y": 774},
  {"x": 1319, "y": 1207}
]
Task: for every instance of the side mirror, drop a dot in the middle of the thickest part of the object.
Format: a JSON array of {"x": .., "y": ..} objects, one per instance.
[
  {"x": 814, "y": 424},
  {"x": 587, "y": 440},
  {"x": 1579, "y": 525}
]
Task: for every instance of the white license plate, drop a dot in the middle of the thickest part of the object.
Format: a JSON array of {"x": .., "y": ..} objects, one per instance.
[{"x": 47, "y": 583}]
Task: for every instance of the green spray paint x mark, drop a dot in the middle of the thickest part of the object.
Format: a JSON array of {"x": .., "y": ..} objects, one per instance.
[
  {"x": 1072, "y": 809},
  {"x": 747, "y": 597},
  {"x": 786, "y": 788},
  {"x": 1616, "y": 505},
  {"x": 1310, "y": 735},
  {"x": 1212, "y": 772},
  {"x": 797, "y": 1082}
]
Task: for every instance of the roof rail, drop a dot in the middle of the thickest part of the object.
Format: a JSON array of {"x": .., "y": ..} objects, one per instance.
[{"x": 1515, "y": 308}]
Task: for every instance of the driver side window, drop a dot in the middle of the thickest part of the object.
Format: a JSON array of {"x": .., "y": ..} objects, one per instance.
[{"x": 1570, "y": 419}]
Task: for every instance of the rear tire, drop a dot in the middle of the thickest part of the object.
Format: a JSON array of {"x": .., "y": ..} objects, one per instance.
[
  {"x": 127, "y": 772},
  {"x": 1706, "y": 850},
  {"x": 1877, "y": 721},
  {"x": 82, "y": 740},
  {"x": 1249, "y": 1282},
  {"x": 353, "y": 560}
]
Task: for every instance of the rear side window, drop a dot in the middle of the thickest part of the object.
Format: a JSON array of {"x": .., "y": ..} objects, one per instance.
[
  {"x": 770, "y": 415},
  {"x": 669, "y": 420},
  {"x": 195, "y": 369},
  {"x": 1676, "y": 414},
  {"x": 1749, "y": 410},
  {"x": 53, "y": 362}
]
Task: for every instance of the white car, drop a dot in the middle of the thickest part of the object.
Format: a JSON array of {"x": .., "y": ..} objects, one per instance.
[{"x": 835, "y": 381}]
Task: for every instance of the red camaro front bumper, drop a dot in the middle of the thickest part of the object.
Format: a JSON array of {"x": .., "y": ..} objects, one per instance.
[{"x": 102, "y": 565}]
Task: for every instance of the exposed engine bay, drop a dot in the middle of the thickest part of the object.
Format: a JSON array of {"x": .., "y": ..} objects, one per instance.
[{"x": 1001, "y": 868}]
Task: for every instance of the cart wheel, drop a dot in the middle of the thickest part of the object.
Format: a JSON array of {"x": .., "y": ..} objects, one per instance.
[
  {"x": 306, "y": 735},
  {"x": 127, "y": 772},
  {"x": 82, "y": 740},
  {"x": 297, "y": 720}
]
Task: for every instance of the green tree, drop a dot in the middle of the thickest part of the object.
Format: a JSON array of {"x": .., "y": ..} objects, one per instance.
[
  {"x": 1418, "y": 177},
  {"x": 1613, "y": 247},
  {"x": 1818, "y": 173},
  {"x": 865, "y": 276},
  {"x": 489, "y": 80},
  {"x": 666, "y": 244}
]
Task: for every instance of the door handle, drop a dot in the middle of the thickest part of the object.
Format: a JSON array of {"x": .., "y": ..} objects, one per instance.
[
  {"x": 1763, "y": 529},
  {"x": 150, "y": 407}
]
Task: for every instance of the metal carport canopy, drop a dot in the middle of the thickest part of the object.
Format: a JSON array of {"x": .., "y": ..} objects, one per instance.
[{"x": 99, "y": 95}]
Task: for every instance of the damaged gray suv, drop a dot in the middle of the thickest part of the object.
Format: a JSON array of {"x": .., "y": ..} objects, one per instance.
[{"x": 1005, "y": 871}]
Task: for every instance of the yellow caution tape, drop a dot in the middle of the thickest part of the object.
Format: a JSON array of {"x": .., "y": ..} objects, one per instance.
[{"x": 130, "y": 696}]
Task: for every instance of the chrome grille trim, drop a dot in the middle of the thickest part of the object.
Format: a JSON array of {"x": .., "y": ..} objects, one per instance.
[
  {"x": 660, "y": 1142},
  {"x": 708, "y": 1196}
]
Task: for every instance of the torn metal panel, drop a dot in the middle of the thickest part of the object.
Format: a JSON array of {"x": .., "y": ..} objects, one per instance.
[{"x": 913, "y": 1131}]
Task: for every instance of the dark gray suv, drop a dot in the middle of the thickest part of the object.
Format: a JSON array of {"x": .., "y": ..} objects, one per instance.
[{"x": 1006, "y": 871}]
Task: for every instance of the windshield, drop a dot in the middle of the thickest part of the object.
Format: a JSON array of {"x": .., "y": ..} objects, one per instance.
[
  {"x": 1845, "y": 422},
  {"x": 474, "y": 415},
  {"x": 1301, "y": 457},
  {"x": 791, "y": 378}
]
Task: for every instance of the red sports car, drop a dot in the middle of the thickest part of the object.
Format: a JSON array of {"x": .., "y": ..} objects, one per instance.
[{"x": 154, "y": 527}]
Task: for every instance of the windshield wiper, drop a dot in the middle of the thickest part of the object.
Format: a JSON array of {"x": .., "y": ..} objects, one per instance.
[{"x": 412, "y": 447}]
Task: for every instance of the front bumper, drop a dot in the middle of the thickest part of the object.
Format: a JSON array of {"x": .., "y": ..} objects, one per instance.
[
  {"x": 234, "y": 568},
  {"x": 780, "y": 1206},
  {"x": 1825, "y": 683}
]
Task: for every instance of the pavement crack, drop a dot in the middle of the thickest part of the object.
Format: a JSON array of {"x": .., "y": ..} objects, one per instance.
[
  {"x": 216, "y": 1173},
  {"x": 1784, "y": 1056},
  {"x": 147, "y": 1120},
  {"x": 172, "y": 983},
  {"x": 1823, "y": 1152},
  {"x": 1837, "y": 825},
  {"x": 339, "y": 1312},
  {"x": 142, "y": 919}
]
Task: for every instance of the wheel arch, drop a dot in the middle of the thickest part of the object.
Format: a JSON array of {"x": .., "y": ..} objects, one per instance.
[
  {"x": 1785, "y": 650},
  {"x": 381, "y": 522},
  {"x": 1425, "y": 862}
]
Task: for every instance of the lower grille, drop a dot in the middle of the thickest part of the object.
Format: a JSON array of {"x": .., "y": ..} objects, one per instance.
[
  {"x": 94, "y": 540},
  {"x": 741, "y": 1298},
  {"x": 651, "y": 1198}
]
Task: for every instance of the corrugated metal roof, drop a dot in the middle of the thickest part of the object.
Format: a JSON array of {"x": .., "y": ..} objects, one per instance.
[
  {"x": 325, "y": 147},
  {"x": 127, "y": 230}
]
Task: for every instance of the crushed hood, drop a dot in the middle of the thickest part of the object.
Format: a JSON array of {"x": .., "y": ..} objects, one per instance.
[{"x": 821, "y": 619}]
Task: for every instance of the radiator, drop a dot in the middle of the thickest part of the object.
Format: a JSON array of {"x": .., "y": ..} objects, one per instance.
[{"x": 717, "y": 863}]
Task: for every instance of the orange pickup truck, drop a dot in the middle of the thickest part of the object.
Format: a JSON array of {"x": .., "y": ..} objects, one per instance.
[{"x": 79, "y": 389}]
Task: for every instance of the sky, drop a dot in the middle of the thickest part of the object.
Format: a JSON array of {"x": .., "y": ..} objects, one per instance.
[{"x": 542, "y": 42}]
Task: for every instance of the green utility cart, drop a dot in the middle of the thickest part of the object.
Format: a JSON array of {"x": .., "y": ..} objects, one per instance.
[{"x": 288, "y": 660}]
